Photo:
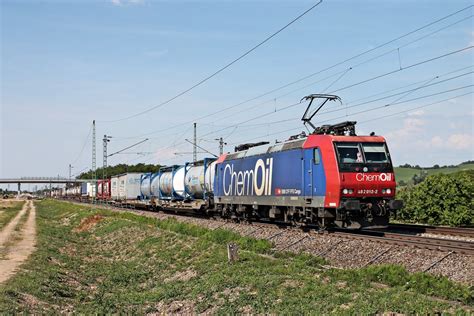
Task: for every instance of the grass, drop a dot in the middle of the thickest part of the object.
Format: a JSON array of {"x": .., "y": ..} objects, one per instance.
[
  {"x": 406, "y": 174},
  {"x": 8, "y": 211},
  {"x": 125, "y": 263}
]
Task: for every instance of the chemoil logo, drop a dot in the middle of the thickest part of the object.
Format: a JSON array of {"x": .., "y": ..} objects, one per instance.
[
  {"x": 374, "y": 177},
  {"x": 249, "y": 182}
]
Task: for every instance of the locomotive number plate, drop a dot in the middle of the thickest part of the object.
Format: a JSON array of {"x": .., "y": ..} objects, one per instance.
[{"x": 367, "y": 191}]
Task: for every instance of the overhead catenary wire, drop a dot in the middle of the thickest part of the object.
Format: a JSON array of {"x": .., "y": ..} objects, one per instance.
[
  {"x": 403, "y": 95},
  {"x": 415, "y": 108},
  {"x": 406, "y": 86},
  {"x": 351, "y": 86},
  {"x": 86, "y": 141},
  {"x": 381, "y": 107},
  {"x": 413, "y": 32},
  {"x": 222, "y": 68},
  {"x": 336, "y": 110},
  {"x": 328, "y": 68}
]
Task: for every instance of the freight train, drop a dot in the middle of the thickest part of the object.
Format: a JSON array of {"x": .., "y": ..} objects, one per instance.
[{"x": 331, "y": 177}]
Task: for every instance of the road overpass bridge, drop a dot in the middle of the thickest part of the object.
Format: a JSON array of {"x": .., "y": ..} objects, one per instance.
[{"x": 37, "y": 180}]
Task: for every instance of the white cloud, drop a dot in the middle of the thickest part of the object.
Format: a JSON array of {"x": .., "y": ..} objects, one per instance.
[
  {"x": 436, "y": 141},
  {"x": 166, "y": 154},
  {"x": 405, "y": 134},
  {"x": 454, "y": 141},
  {"x": 460, "y": 141},
  {"x": 124, "y": 2},
  {"x": 416, "y": 113}
]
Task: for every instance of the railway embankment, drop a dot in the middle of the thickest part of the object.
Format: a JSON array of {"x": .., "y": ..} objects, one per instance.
[{"x": 91, "y": 260}]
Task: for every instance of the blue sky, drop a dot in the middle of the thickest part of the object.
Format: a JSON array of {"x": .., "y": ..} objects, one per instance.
[{"x": 65, "y": 63}]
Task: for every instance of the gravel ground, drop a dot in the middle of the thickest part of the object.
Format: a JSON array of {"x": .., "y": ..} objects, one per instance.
[{"x": 346, "y": 252}]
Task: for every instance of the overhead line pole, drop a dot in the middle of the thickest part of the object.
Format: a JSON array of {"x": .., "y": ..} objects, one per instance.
[
  {"x": 105, "y": 140},
  {"x": 94, "y": 175},
  {"x": 195, "y": 144}
]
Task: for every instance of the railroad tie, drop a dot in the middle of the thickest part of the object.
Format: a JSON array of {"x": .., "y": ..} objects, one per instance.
[
  {"x": 378, "y": 256},
  {"x": 438, "y": 261},
  {"x": 275, "y": 235},
  {"x": 294, "y": 243},
  {"x": 252, "y": 232},
  {"x": 322, "y": 253}
]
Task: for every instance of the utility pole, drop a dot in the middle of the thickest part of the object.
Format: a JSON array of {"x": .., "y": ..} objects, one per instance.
[
  {"x": 221, "y": 145},
  {"x": 69, "y": 184},
  {"x": 105, "y": 140},
  {"x": 94, "y": 175},
  {"x": 70, "y": 171},
  {"x": 195, "y": 144}
]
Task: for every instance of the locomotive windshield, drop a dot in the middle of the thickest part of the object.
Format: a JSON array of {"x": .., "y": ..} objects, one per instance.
[
  {"x": 375, "y": 152},
  {"x": 352, "y": 156}
]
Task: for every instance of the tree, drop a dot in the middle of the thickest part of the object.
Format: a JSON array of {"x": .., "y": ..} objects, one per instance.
[
  {"x": 440, "y": 200},
  {"x": 119, "y": 169}
]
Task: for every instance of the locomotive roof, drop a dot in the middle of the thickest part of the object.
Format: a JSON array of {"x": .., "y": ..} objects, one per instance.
[{"x": 298, "y": 143}]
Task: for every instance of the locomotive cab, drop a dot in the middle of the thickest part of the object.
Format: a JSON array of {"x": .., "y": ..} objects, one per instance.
[{"x": 366, "y": 181}]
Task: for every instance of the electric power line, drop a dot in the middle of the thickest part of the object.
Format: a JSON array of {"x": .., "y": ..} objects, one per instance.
[
  {"x": 83, "y": 146},
  {"x": 351, "y": 86},
  {"x": 221, "y": 69},
  {"x": 382, "y": 107},
  {"x": 343, "y": 72}
]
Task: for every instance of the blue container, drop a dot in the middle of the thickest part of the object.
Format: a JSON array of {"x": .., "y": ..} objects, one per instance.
[{"x": 84, "y": 189}]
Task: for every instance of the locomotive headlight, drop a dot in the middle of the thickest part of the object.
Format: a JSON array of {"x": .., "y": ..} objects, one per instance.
[
  {"x": 351, "y": 191},
  {"x": 388, "y": 191},
  {"x": 384, "y": 191},
  {"x": 345, "y": 191}
]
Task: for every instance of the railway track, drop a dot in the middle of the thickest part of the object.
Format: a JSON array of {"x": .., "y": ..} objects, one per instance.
[
  {"x": 438, "y": 230},
  {"x": 440, "y": 244}
]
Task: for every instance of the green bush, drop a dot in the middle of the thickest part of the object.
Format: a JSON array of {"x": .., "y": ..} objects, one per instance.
[{"x": 440, "y": 200}]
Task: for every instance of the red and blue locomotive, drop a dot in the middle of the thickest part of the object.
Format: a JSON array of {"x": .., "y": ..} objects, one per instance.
[
  {"x": 329, "y": 177},
  {"x": 323, "y": 179}
]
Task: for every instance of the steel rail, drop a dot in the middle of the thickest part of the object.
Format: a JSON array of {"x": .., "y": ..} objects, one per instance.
[
  {"x": 457, "y": 246},
  {"x": 439, "y": 230}
]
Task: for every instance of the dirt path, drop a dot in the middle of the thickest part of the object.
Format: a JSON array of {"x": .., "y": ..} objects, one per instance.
[
  {"x": 20, "y": 251},
  {"x": 7, "y": 231}
]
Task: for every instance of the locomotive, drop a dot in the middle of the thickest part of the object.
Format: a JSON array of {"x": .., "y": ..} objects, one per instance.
[{"x": 331, "y": 177}]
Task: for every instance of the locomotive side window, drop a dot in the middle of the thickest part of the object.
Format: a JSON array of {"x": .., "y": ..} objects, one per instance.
[
  {"x": 349, "y": 153},
  {"x": 316, "y": 156}
]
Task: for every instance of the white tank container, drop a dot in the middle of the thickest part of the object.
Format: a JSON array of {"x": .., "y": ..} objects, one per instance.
[
  {"x": 178, "y": 182},
  {"x": 155, "y": 185},
  {"x": 114, "y": 187},
  {"x": 209, "y": 177},
  {"x": 91, "y": 191},
  {"x": 145, "y": 185},
  {"x": 194, "y": 181},
  {"x": 166, "y": 183},
  {"x": 129, "y": 186}
]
